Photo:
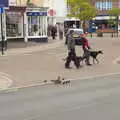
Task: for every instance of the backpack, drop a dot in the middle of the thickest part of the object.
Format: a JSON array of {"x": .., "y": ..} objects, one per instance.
[{"x": 79, "y": 41}]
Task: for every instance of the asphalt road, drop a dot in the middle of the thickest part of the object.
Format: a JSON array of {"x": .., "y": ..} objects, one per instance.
[{"x": 90, "y": 99}]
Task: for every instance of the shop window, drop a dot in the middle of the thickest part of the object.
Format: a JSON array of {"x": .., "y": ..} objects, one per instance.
[
  {"x": 37, "y": 25},
  {"x": 104, "y": 5},
  {"x": 14, "y": 24}
]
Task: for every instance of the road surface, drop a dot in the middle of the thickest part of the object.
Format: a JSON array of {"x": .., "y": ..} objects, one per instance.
[{"x": 90, "y": 99}]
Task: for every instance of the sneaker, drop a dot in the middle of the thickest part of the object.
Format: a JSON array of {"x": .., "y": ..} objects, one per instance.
[
  {"x": 67, "y": 67},
  {"x": 89, "y": 64}
]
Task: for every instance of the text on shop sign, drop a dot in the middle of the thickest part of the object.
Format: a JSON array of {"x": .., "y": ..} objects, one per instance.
[{"x": 36, "y": 13}]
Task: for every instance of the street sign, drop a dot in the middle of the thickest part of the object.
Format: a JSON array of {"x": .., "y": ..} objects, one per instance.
[
  {"x": 52, "y": 12},
  {"x": 4, "y": 3},
  {"x": 36, "y": 13},
  {"x": 1, "y": 10}
]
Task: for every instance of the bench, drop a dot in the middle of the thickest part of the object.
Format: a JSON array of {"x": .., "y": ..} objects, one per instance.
[{"x": 102, "y": 31}]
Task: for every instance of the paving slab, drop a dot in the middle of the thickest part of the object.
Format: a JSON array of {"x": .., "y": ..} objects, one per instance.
[{"x": 45, "y": 63}]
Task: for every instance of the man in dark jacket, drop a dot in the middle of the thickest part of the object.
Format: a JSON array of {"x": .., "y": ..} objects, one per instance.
[
  {"x": 71, "y": 51},
  {"x": 53, "y": 31}
]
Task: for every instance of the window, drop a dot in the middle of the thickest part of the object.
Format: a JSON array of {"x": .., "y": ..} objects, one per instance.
[
  {"x": 33, "y": 25},
  {"x": 103, "y": 5},
  {"x": 14, "y": 24},
  {"x": 37, "y": 25}
]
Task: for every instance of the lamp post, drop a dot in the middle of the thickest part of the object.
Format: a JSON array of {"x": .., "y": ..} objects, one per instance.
[
  {"x": 2, "y": 37},
  {"x": 117, "y": 22}
]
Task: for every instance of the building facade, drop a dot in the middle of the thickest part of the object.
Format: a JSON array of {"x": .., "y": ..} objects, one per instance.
[
  {"x": 57, "y": 10},
  {"x": 25, "y": 20},
  {"x": 103, "y": 6},
  {"x": 102, "y": 20}
]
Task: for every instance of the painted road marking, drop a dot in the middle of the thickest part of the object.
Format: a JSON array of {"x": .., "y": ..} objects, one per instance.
[
  {"x": 2, "y": 73},
  {"x": 116, "y": 60},
  {"x": 15, "y": 89},
  {"x": 5, "y": 80}
]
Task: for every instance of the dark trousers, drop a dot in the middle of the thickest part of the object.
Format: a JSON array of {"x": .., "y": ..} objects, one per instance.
[
  {"x": 61, "y": 35},
  {"x": 53, "y": 35},
  {"x": 72, "y": 57},
  {"x": 86, "y": 56}
]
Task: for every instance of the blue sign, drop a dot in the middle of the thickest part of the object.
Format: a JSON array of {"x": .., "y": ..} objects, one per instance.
[
  {"x": 4, "y": 3},
  {"x": 36, "y": 13},
  {"x": 1, "y": 10}
]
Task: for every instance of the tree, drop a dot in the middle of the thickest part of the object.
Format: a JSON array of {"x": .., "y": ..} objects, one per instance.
[
  {"x": 81, "y": 9},
  {"x": 30, "y": 3},
  {"x": 115, "y": 12}
]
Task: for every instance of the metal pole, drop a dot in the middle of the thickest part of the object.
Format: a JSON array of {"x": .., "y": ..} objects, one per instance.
[
  {"x": 2, "y": 42},
  {"x": 52, "y": 20},
  {"x": 117, "y": 24}
]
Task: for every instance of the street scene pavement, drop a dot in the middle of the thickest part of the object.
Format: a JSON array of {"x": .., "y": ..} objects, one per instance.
[
  {"x": 89, "y": 99},
  {"x": 32, "y": 65}
]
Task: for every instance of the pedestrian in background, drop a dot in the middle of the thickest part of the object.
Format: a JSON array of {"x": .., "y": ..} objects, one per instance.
[
  {"x": 60, "y": 29},
  {"x": 53, "y": 32},
  {"x": 49, "y": 30}
]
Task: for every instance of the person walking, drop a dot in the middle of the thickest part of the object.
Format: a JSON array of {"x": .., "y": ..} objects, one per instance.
[
  {"x": 49, "y": 30},
  {"x": 53, "y": 32},
  {"x": 71, "y": 52},
  {"x": 86, "y": 48},
  {"x": 60, "y": 29}
]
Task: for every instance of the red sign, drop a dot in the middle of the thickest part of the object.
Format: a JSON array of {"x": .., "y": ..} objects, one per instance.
[{"x": 51, "y": 12}]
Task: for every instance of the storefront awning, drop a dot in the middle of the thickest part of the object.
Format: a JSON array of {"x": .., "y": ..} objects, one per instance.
[
  {"x": 14, "y": 17},
  {"x": 16, "y": 9},
  {"x": 14, "y": 13}
]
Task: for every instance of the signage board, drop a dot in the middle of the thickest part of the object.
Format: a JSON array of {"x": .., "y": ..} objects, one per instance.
[
  {"x": 36, "y": 13},
  {"x": 17, "y": 2},
  {"x": 4, "y": 3},
  {"x": 12, "y": 2},
  {"x": 52, "y": 12}
]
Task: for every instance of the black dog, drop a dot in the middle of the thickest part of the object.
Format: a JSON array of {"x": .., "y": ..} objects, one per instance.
[
  {"x": 77, "y": 60},
  {"x": 94, "y": 55}
]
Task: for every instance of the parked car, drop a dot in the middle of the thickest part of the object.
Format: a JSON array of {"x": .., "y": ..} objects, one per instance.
[{"x": 77, "y": 35}]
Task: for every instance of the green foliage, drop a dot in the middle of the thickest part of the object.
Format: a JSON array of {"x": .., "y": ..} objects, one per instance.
[
  {"x": 81, "y": 9},
  {"x": 112, "y": 22},
  {"x": 114, "y": 11}
]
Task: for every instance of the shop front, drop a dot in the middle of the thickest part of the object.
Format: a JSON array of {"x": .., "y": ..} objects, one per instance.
[
  {"x": 36, "y": 28},
  {"x": 15, "y": 23}
]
